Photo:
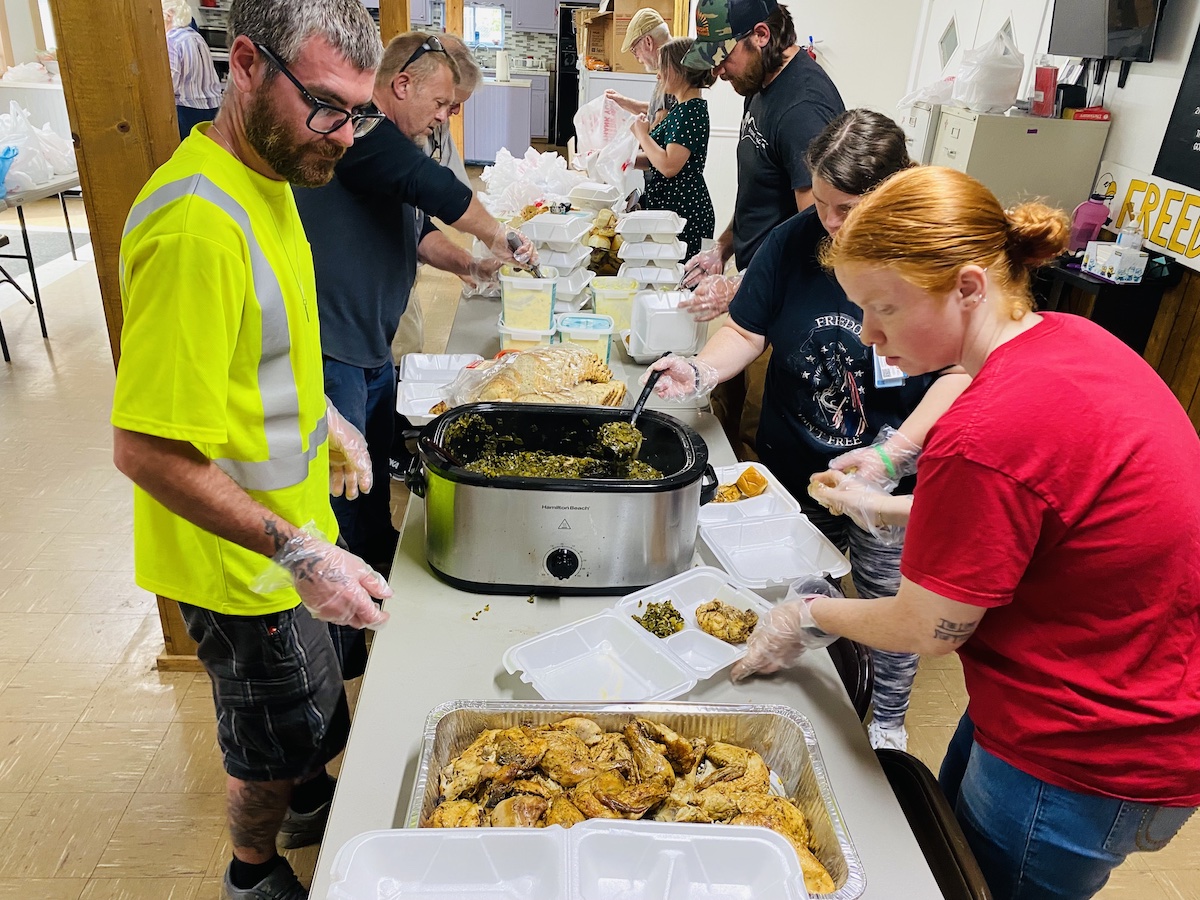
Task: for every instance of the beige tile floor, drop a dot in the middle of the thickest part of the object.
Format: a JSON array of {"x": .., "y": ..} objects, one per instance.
[{"x": 110, "y": 780}]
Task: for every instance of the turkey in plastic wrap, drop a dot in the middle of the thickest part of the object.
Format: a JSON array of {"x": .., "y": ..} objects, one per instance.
[{"x": 562, "y": 373}]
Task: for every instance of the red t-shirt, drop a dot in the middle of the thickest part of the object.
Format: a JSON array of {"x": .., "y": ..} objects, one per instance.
[{"x": 1062, "y": 491}]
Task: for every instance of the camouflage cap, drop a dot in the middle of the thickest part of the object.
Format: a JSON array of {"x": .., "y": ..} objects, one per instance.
[{"x": 720, "y": 24}]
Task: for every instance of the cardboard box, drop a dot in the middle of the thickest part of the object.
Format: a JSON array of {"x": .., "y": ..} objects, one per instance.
[
  {"x": 595, "y": 35},
  {"x": 623, "y": 11}
]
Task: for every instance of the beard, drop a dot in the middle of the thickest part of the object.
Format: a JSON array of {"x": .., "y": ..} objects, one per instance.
[
  {"x": 750, "y": 81},
  {"x": 274, "y": 139}
]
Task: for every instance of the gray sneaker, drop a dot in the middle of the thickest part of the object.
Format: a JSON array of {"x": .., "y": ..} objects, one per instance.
[
  {"x": 281, "y": 884},
  {"x": 303, "y": 829}
]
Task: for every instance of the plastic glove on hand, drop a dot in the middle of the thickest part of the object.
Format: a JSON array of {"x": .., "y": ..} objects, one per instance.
[
  {"x": 682, "y": 378},
  {"x": 884, "y": 463},
  {"x": 863, "y": 501},
  {"x": 335, "y": 586},
  {"x": 349, "y": 462},
  {"x": 781, "y": 638},
  {"x": 483, "y": 272},
  {"x": 706, "y": 262},
  {"x": 711, "y": 297},
  {"x": 523, "y": 253}
]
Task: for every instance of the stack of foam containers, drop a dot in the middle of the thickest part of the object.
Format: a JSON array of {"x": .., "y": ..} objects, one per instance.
[
  {"x": 651, "y": 252},
  {"x": 559, "y": 243}
]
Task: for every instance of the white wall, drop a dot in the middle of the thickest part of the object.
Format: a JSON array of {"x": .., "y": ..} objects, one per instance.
[
  {"x": 867, "y": 53},
  {"x": 20, "y": 32}
]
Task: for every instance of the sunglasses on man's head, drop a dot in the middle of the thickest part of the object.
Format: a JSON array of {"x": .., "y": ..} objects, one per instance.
[{"x": 431, "y": 45}]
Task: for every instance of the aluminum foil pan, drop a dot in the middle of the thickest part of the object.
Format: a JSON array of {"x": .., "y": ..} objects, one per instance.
[{"x": 783, "y": 737}]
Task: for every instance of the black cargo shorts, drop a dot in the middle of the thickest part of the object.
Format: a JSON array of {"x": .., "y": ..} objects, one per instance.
[{"x": 277, "y": 686}]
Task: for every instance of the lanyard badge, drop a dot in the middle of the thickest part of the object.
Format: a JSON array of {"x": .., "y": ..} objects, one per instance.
[{"x": 886, "y": 376}]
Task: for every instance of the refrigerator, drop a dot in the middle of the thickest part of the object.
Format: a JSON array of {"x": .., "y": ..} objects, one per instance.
[{"x": 566, "y": 66}]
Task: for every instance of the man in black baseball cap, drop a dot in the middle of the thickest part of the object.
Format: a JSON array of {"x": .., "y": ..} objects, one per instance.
[{"x": 789, "y": 101}]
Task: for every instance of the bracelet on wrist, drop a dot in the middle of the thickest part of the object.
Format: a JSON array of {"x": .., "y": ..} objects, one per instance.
[{"x": 888, "y": 465}]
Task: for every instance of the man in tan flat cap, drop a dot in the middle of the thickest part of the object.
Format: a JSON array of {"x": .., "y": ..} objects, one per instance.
[{"x": 646, "y": 34}]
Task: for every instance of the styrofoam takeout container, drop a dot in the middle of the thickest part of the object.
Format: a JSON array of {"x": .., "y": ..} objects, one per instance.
[
  {"x": 657, "y": 325},
  {"x": 666, "y": 253},
  {"x": 611, "y": 657},
  {"x": 439, "y": 368},
  {"x": 767, "y": 554},
  {"x": 572, "y": 258},
  {"x": 556, "y": 232},
  {"x": 527, "y": 303},
  {"x": 594, "y": 195},
  {"x": 650, "y": 225},
  {"x": 414, "y": 399},
  {"x": 572, "y": 283},
  {"x": 784, "y": 737},
  {"x": 593, "y": 859},
  {"x": 774, "y": 501},
  {"x": 650, "y": 276}
]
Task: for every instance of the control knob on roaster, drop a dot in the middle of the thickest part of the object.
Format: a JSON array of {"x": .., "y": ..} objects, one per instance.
[{"x": 562, "y": 563}]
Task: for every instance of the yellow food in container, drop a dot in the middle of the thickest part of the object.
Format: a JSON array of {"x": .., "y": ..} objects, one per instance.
[{"x": 527, "y": 303}]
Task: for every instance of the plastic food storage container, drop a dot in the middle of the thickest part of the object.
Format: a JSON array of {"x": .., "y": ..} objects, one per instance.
[
  {"x": 526, "y": 302},
  {"x": 784, "y": 737},
  {"x": 594, "y": 195},
  {"x": 767, "y": 554},
  {"x": 556, "y": 233},
  {"x": 657, "y": 251},
  {"x": 587, "y": 330},
  {"x": 439, "y": 368},
  {"x": 614, "y": 297},
  {"x": 567, "y": 260},
  {"x": 651, "y": 276},
  {"x": 641, "y": 860},
  {"x": 650, "y": 225},
  {"x": 523, "y": 338},
  {"x": 659, "y": 326},
  {"x": 611, "y": 657},
  {"x": 774, "y": 501}
]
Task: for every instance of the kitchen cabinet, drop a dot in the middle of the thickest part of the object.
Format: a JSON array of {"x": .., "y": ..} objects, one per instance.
[
  {"x": 1022, "y": 157},
  {"x": 497, "y": 116},
  {"x": 539, "y": 105},
  {"x": 540, "y": 16},
  {"x": 420, "y": 13}
]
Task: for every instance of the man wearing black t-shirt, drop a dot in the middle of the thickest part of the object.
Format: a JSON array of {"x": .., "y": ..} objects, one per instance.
[
  {"x": 365, "y": 244},
  {"x": 789, "y": 101}
]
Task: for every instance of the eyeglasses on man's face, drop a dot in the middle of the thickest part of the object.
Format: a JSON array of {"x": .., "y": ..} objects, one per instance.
[
  {"x": 326, "y": 118},
  {"x": 431, "y": 45}
]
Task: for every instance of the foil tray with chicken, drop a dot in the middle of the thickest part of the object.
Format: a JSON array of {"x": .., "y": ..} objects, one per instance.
[{"x": 573, "y": 770}]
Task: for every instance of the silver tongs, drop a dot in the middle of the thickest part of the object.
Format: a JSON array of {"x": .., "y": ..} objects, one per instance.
[{"x": 514, "y": 244}]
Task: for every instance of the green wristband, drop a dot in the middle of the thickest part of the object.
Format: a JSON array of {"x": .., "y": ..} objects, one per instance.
[{"x": 888, "y": 465}]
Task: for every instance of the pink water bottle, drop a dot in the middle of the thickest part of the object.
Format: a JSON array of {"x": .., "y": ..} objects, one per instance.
[
  {"x": 1087, "y": 220},
  {"x": 1045, "y": 87}
]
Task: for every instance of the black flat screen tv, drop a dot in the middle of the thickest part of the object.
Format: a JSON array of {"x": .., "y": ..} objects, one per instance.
[{"x": 1116, "y": 29}]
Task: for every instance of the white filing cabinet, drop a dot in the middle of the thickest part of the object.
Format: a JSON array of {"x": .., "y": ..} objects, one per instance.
[
  {"x": 920, "y": 124},
  {"x": 1022, "y": 157}
]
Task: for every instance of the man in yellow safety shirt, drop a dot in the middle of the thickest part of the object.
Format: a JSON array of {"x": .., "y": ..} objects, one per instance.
[{"x": 220, "y": 418}]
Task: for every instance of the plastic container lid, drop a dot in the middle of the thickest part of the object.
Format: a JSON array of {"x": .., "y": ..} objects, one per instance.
[
  {"x": 658, "y": 325},
  {"x": 649, "y": 275},
  {"x": 643, "y": 251},
  {"x": 586, "y": 325},
  {"x": 596, "y": 858},
  {"x": 650, "y": 225},
  {"x": 611, "y": 657},
  {"x": 565, "y": 260},
  {"x": 556, "y": 232},
  {"x": 594, "y": 195},
  {"x": 774, "y": 501},
  {"x": 439, "y": 368},
  {"x": 770, "y": 553}
]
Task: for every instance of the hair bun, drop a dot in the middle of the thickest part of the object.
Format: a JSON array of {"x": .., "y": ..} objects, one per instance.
[{"x": 1037, "y": 233}]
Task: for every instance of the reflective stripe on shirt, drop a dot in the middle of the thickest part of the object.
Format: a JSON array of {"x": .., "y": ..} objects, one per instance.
[{"x": 287, "y": 463}]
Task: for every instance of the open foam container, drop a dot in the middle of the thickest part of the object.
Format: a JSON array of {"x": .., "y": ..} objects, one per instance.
[
  {"x": 610, "y": 657},
  {"x": 774, "y": 501},
  {"x": 438, "y": 368},
  {"x": 766, "y": 554}
]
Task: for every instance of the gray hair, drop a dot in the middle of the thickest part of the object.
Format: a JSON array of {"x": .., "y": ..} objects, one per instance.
[
  {"x": 285, "y": 25},
  {"x": 660, "y": 34},
  {"x": 469, "y": 73},
  {"x": 177, "y": 13}
]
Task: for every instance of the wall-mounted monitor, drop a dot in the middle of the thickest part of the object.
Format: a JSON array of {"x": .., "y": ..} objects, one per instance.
[{"x": 1116, "y": 29}]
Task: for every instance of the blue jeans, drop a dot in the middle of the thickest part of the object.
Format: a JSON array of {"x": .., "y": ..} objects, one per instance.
[
  {"x": 876, "y": 573},
  {"x": 366, "y": 398},
  {"x": 1035, "y": 841}
]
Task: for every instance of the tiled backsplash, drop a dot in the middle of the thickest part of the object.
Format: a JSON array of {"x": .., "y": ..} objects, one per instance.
[{"x": 520, "y": 44}]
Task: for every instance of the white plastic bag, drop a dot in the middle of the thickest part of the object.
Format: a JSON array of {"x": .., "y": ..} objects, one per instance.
[
  {"x": 41, "y": 153},
  {"x": 597, "y": 123},
  {"x": 614, "y": 164},
  {"x": 990, "y": 76},
  {"x": 936, "y": 93},
  {"x": 28, "y": 73}
]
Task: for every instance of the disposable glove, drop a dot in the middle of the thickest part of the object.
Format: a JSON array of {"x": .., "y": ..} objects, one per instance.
[
  {"x": 349, "y": 461},
  {"x": 706, "y": 262},
  {"x": 334, "y": 585},
  {"x": 867, "y": 504},
  {"x": 884, "y": 463},
  {"x": 711, "y": 297},
  {"x": 781, "y": 638},
  {"x": 483, "y": 272},
  {"x": 524, "y": 252},
  {"x": 682, "y": 378}
]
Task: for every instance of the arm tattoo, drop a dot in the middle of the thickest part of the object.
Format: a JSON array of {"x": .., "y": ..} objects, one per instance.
[
  {"x": 955, "y": 632},
  {"x": 278, "y": 538}
]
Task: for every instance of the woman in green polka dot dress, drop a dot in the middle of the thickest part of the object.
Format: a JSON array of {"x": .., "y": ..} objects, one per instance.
[{"x": 674, "y": 151}]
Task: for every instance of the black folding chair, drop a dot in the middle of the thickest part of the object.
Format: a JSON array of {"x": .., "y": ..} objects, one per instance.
[
  {"x": 5, "y": 278},
  {"x": 853, "y": 664}
]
